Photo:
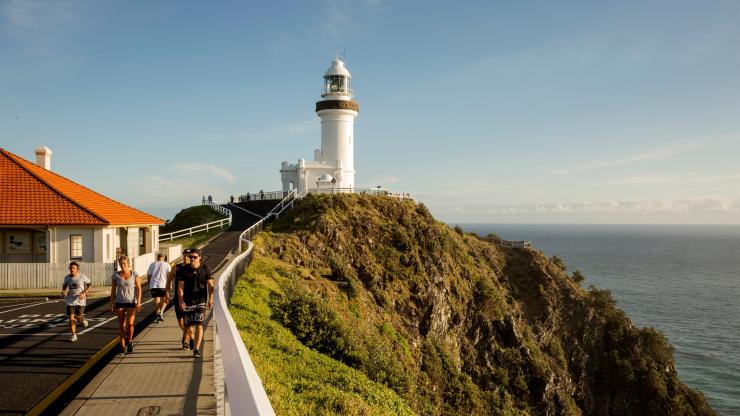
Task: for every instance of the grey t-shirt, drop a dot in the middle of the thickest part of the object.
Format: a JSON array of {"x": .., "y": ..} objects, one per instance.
[
  {"x": 125, "y": 288},
  {"x": 75, "y": 285}
]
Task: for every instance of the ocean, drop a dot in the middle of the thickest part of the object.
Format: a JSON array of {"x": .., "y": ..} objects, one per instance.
[{"x": 683, "y": 280}]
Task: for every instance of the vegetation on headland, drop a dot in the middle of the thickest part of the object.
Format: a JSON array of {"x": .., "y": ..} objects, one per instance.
[
  {"x": 367, "y": 305},
  {"x": 196, "y": 239},
  {"x": 191, "y": 217}
]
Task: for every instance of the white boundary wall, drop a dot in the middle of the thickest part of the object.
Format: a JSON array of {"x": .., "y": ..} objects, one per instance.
[
  {"x": 50, "y": 275},
  {"x": 244, "y": 392}
]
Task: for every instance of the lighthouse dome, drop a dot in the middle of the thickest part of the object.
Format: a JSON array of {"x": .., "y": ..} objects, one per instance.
[{"x": 337, "y": 68}]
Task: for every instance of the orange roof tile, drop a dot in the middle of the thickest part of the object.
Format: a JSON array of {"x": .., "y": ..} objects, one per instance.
[{"x": 32, "y": 195}]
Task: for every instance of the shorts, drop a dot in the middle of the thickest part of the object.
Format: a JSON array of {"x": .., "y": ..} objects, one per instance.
[
  {"x": 157, "y": 292},
  {"x": 125, "y": 305},
  {"x": 78, "y": 310},
  {"x": 195, "y": 315},
  {"x": 178, "y": 312}
]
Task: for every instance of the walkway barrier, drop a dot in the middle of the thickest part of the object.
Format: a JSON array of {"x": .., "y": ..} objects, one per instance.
[
  {"x": 247, "y": 396},
  {"x": 197, "y": 229},
  {"x": 243, "y": 390},
  {"x": 262, "y": 196},
  {"x": 216, "y": 206},
  {"x": 285, "y": 203}
]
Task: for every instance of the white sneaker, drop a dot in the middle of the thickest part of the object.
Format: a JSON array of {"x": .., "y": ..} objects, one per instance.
[
  {"x": 74, "y": 338},
  {"x": 84, "y": 322}
]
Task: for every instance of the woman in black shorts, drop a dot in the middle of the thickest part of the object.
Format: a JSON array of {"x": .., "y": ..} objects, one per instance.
[{"x": 125, "y": 301}]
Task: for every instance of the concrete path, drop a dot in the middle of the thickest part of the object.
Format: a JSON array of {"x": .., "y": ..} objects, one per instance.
[{"x": 158, "y": 378}]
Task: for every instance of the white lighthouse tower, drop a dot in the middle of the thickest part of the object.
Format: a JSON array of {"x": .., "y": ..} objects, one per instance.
[{"x": 333, "y": 167}]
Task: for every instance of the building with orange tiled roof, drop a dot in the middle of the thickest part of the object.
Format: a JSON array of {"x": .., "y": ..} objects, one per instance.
[{"x": 47, "y": 218}]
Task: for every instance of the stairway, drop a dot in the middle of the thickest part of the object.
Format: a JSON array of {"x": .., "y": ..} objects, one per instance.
[{"x": 216, "y": 251}]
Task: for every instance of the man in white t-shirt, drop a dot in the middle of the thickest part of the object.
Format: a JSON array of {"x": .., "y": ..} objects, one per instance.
[
  {"x": 158, "y": 272},
  {"x": 74, "y": 292}
]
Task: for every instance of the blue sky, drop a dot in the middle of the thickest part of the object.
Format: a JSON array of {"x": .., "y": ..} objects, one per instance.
[{"x": 576, "y": 112}]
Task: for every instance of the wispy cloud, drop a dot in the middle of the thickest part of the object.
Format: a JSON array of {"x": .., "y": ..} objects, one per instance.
[
  {"x": 201, "y": 169},
  {"x": 37, "y": 24},
  {"x": 649, "y": 156},
  {"x": 686, "y": 205},
  {"x": 667, "y": 178},
  {"x": 282, "y": 131},
  {"x": 340, "y": 16}
]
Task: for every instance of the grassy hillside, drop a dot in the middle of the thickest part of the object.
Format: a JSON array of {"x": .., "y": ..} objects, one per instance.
[
  {"x": 367, "y": 305},
  {"x": 190, "y": 217}
]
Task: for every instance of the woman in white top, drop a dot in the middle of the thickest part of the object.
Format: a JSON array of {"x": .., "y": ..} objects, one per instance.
[{"x": 125, "y": 301}]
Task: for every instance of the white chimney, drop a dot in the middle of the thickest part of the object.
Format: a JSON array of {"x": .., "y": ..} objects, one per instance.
[{"x": 43, "y": 157}]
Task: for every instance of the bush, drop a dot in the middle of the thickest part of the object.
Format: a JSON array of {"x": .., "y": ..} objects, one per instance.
[
  {"x": 314, "y": 324},
  {"x": 559, "y": 263},
  {"x": 578, "y": 277}
]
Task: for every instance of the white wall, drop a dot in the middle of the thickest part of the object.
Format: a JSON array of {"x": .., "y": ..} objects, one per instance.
[
  {"x": 337, "y": 142},
  {"x": 60, "y": 243},
  {"x": 132, "y": 241}
]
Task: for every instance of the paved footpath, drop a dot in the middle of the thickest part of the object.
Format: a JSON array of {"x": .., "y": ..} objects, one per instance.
[{"x": 158, "y": 378}]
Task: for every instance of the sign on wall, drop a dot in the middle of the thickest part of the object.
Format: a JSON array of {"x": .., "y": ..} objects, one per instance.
[{"x": 19, "y": 242}]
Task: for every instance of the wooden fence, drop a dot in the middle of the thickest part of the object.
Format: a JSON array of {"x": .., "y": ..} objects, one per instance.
[{"x": 49, "y": 275}]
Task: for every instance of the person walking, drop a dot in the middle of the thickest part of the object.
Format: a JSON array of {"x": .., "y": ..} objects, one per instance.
[
  {"x": 125, "y": 301},
  {"x": 172, "y": 282},
  {"x": 195, "y": 294},
  {"x": 158, "y": 272},
  {"x": 74, "y": 292}
]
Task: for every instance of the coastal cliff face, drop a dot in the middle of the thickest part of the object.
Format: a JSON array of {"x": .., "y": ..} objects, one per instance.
[{"x": 452, "y": 324}]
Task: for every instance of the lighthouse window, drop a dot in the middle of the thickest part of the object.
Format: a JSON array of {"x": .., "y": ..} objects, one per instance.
[{"x": 336, "y": 83}]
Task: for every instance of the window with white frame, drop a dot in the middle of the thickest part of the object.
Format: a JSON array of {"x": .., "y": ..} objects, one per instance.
[{"x": 75, "y": 246}]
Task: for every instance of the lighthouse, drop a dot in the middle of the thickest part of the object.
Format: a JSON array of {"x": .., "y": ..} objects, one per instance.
[{"x": 333, "y": 166}]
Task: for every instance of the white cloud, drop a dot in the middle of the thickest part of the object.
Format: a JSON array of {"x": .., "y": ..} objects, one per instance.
[
  {"x": 341, "y": 16},
  {"x": 201, "y": 169},
  {"x": 666, "y": 178},
  {"x": 278, "y": 132},
  {"x": 649, "y": 156},
  {"x": 685, "y": 205},
  {"x": 37, "y": 23}
]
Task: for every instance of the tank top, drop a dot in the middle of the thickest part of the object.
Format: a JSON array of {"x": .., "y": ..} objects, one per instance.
[{"x": 125, "y": 288}]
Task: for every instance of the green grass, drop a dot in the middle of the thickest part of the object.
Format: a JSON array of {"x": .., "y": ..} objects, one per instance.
[
  {"x": 300, "y": 380},
  {"x": 190, "y": 217},
  {"x": 196, "y": 239}
]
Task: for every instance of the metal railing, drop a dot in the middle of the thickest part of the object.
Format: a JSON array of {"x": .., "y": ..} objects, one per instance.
[
  {"x": 250, "y": 232},
  {"x": 262, "y": 196},
  {"x": 194, "y": 230},
  {"x": 214, "y": 205}
]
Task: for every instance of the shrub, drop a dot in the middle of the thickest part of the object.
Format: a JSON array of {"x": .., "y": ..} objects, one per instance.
[
  {"x": 578, "y": 277},
  {"x": 559, "y": 263}
]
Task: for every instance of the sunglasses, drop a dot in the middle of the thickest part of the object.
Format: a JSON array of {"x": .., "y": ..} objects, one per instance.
[{"x": 193, "y": 257}]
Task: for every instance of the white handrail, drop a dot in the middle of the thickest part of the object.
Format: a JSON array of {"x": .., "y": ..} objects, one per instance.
[
  {"x": 218, "y": 208},
  {"x": 193, "y": 230},
  {"x": 243, "y": 386},
  {"x": 250, "y": 232}
]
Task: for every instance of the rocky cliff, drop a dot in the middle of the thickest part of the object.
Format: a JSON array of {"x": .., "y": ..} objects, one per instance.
[{"x": 453, "y": 324}]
